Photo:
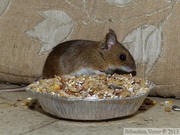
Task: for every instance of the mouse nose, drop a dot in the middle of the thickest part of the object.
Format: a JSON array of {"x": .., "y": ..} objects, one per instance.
[
  {"x": 132, "y": 66},
  {"x": 133, "y": 73}
]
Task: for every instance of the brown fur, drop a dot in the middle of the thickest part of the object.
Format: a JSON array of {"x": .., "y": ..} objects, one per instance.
[{"x": 71, "y": 56}]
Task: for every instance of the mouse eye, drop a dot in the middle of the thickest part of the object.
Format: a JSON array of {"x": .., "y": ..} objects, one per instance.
[{"x": 122, "y": 57}]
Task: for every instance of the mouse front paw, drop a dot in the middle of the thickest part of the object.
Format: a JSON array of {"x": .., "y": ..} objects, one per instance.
[{"x": 99, "y": 72}]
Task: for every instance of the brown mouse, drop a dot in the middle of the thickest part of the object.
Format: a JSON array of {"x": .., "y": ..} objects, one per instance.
[
  {"x": 89, "y": 57},
  {"x": 78, "y": 57}
]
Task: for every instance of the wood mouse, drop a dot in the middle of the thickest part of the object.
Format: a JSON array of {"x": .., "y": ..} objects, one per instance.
[{"x": 78, "y": 57}]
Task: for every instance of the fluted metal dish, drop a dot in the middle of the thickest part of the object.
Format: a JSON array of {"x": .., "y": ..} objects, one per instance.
[{"x": 90, "y": 109}]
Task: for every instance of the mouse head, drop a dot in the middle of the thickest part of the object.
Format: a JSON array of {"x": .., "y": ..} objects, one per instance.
[{"x": 117, "y": 56}]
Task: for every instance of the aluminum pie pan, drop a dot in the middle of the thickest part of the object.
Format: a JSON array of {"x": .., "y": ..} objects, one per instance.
[{"x": 90, "y": 109}]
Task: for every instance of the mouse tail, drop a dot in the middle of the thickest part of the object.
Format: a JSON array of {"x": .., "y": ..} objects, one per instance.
[{"x": 21, "y": 89}]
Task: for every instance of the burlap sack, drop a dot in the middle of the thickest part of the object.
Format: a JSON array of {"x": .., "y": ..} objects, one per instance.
[{"x": 29, "y": 29}]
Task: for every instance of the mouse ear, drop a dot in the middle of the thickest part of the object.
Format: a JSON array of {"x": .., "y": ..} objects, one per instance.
[{"x": 110, "y": 39}]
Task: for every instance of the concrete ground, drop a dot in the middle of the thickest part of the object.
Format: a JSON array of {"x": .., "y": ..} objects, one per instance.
[{"x": 17, "y": 119}]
